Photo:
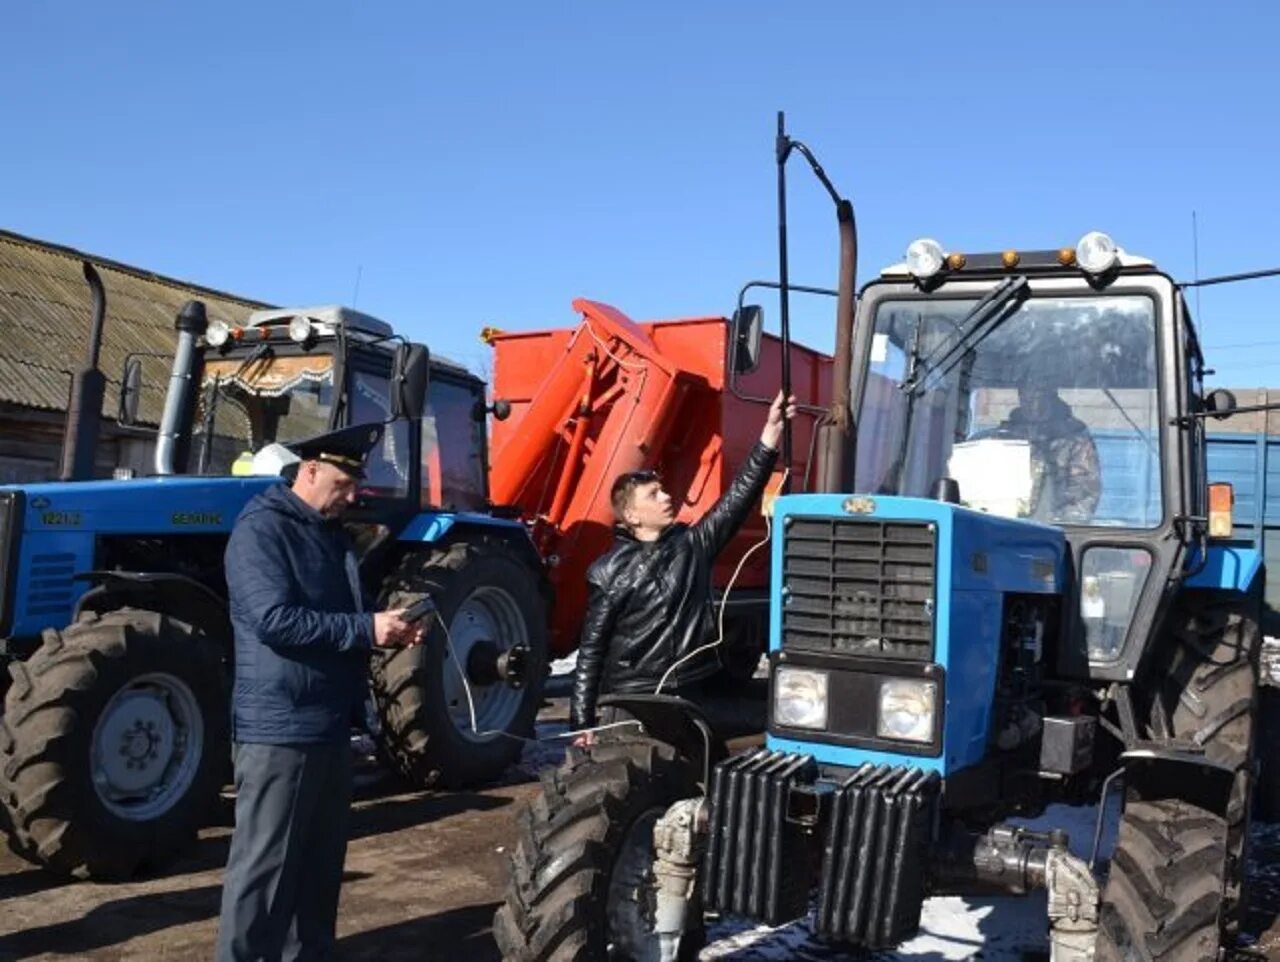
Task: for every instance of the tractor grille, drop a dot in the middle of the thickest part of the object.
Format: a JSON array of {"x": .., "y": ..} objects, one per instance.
[
  {"x": 874, "y": 854},
  {"x": 51, "y": 589},
  {"x": 859, "y": 586},
  {"x": 757, "y": 861}
]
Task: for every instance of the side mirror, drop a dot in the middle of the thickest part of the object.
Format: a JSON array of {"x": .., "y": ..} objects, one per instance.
[
  {"x": 130, "y": 391},
  {"x": 409, "y": 373},
  {"x": 1220, "y": 403},
  {"x": 501, "y": 410},
  {"x": 744, "y": 337}
]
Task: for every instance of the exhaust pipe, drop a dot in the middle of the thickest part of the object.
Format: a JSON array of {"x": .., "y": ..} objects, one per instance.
[
  {"x": 838, "y": 448},
  {"x": 838, "y": 438},
  {"x": 84, "y": 411},
  {"x": 175, "y": 422}
]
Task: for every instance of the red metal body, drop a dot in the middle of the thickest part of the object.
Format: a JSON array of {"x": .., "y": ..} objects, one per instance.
[{"x": 613, "y": 395}]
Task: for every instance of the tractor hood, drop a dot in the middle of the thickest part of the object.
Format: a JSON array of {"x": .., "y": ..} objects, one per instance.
[
  {"x": 51, "y": 532},
  {"x": 141, "y": 506}
]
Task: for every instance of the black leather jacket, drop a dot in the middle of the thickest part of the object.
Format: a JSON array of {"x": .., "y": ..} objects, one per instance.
[{"x": 649, "y": 603}]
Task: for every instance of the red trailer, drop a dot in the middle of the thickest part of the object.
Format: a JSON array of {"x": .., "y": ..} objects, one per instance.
[{"x": 613, "y": 395}]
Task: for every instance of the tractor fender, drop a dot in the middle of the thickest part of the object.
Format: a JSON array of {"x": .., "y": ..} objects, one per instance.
[
  {"x": 676, "y": 722},
  {"x": 1227, "y": 567},
  {"x": 1151, "y": 774},
  {"x": 164, "y": 592},
  {"x": 439, "y": 527}
]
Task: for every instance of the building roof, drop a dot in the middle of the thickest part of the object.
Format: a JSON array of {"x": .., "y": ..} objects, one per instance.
[{"x": 46, "y": 314}]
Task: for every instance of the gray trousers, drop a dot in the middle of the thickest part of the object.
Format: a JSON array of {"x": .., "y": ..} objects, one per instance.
[{"x": 280, "y": 892}]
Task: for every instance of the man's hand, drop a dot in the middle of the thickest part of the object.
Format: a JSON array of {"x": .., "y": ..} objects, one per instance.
[
  {"x": 773, "y": 423},
  {"x": 390, "y": 630},
  {"x": 584, "y": 740}
]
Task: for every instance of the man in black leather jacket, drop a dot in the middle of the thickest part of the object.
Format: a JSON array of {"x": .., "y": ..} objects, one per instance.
[{"x": 649, "y": 603}]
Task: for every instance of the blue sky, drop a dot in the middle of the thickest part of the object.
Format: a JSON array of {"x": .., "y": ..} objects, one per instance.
[{"x": 486, "y": 163}]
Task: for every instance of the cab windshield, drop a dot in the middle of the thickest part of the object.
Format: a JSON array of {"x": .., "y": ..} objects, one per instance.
[
  {"x": 248, "y": 401},
  {"x": 1052, "y": 414}
]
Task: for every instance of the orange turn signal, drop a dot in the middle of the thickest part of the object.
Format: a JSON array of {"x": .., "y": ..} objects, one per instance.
[
  {"x": 1222, "y": 499},
  {"x": 1066, "y": 256},
  {"x": 956, "y": 262},
  {"x": 1010, "y": 259}
]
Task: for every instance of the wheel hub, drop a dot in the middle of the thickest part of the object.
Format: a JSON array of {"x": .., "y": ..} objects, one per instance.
[
  {"x": 484, "y": 631},
  {"x": 146, "y": 747},
  {"x": 141, "y": 730}
]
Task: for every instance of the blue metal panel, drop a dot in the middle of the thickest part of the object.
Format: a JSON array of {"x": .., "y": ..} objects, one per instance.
[
  {"x": 1229, "y": 567},
  {"x": 431, "y": 526},
  {"x": 979, "y": 557}
]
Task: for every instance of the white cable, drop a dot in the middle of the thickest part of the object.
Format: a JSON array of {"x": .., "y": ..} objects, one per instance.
[{"x": 724, "y": 598}]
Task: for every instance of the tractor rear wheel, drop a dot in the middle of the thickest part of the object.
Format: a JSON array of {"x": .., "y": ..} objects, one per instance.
[
  {"x": 113, "y": 744},
  {"x": 1209, "y": 695},
  {"x": 1176, "y": 887},
  {"x": 491, "y": 602},
  {"x": 581, "y": 882},
  {"x": 1164, "y": 894}
]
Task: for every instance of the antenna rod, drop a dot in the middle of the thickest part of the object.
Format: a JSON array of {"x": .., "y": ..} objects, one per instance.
[
  {"x": 783, "y": 150},
  {"x": 1195, "y": 258},
  {"x": 1233, "y": 278}
]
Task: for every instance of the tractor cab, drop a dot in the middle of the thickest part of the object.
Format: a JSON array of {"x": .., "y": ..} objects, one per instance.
[
  {"x": 293, "y": 373},
  {"x": 1048, "y": 386}
]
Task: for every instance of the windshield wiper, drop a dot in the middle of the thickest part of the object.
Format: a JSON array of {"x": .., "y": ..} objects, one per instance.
[{"x": 988, "y": 314}]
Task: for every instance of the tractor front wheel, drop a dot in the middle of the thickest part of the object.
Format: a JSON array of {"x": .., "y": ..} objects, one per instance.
[
  {"x": 113, "y": 744},
  {"x": 581, "y": 877}
]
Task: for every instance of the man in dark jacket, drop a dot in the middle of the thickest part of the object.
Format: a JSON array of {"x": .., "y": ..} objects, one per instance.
[
  {"x": 649, "y": 601},
  {"x": 302, "y": 642}
]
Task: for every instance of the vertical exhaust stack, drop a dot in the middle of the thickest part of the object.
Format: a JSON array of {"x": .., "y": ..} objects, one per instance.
[
  {"x": 175, "y": 422},
  {"x": 838, "y": 437},
  {"x": 836, "y": 452},
  {"x": 84, "y": 412}
]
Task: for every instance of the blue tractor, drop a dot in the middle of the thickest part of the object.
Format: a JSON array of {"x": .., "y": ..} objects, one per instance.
[
  {"x": 1019, "y": 589},
  {"x": 113, "y": 611}
]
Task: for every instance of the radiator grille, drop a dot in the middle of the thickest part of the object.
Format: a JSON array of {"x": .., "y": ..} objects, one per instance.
[
  {"x": 859, "y": 586},
  {"x": 51, "y": 588}
]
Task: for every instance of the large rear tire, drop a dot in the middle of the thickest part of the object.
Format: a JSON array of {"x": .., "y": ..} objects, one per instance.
[
  {"x": 113, "y": 744},
  {"x": 1164, "y": 894},
  {"x": 490, "y": 598},
  {"x": 1209, "y": 694},
  {"x": 581, "y": 883}
]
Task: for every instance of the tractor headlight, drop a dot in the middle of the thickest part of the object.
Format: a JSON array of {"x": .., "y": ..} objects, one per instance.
[
  {"x": 216, "y": 334},
  {"x": 924, "y": 258},
  {"x": 906, "y": 710},
  {"x": 1097, "y": 253},
  {"x": 800, "y": 698},
  {"x": 300, "y": 329}
]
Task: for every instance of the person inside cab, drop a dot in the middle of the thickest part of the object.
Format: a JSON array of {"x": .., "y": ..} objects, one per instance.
[{"x": 1066, "y": 479}]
